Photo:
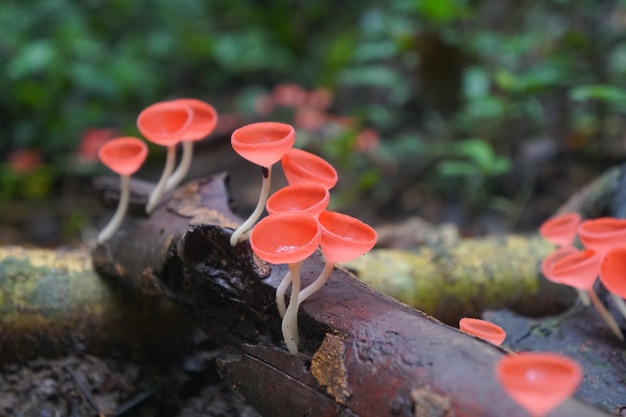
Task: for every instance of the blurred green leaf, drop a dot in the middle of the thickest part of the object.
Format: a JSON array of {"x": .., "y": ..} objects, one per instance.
[{"x": 609, "y": 94}]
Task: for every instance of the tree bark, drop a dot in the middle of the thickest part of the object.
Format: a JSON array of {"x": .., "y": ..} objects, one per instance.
[{"x": 362, "y": 352}]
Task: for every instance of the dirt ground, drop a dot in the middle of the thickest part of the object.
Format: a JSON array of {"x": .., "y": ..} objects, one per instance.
[{"x": 83, "y": 385}]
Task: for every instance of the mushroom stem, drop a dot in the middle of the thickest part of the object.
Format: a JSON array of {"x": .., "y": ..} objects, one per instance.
[
  {"x": 235, "y": 238},
  {"x": 583, "y": 297},
  {"x": 619, "y": 303},
  {"x": 159, "y": 190},
  {"x": 606, "y": 316},
  {"x": 289, "y": 325},
  {"x": 318, "y": 283},
  {"x": 183, "y": 166},
  {"x": 120, "y": 212},
  {"x": 280, "y": 294}
]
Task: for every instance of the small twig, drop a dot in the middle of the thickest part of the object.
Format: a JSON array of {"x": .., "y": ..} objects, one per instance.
[
  {"x": 137, "y": 400},
  {"x": 85, "y": 391}
]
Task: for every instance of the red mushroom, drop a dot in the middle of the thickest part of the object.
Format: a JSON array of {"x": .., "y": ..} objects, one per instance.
[
  {"x": 539, "y": 382},
  {"x": 165, "y": 124},
  {"x": 602, "y": 234},
  {"x": 344, "y": 238},
  {"x": 303, "y": 166},
  {"x": 123, "y": 156},
  {"x": 262, "y": 143},
  {"x": 203, "y": 121},
  {"x": 483, "y": 329},
  {"x": 579, "y": 269},
  {"x": 287, "y": 238},
  {"x": 561, "y": 230},
  {"x": 309, "y": 197},
  {"x": 613, "y": 276}
]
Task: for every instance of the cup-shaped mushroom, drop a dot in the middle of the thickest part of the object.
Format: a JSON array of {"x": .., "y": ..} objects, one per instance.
[
  {"x": 603, "y": 233},
  {"x": 203, "y": 121},
  {"x": 123, "y": 155},
  {"x": 344, "y": 237},
  {"x": 578, "y": 269},
  {"x": 310, "y": 197},
  {"x": 263, "y": 143},
  {"x": 613, "y": 276},
  {"x": 548, "y": 262},
  {"x": 203, "y": 118},
  {"x": 165, "y": 123},
  {"x": 483, "y": 329},
  {"x": 539, "y": 382},
  {"x": 303, "y": 166},
  {"x": 286, "y": 237},
  {"x": 613, "y": 271},
  {"x": 561, "y": 230}
]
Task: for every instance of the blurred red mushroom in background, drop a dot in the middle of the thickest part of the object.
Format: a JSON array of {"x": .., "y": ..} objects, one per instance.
[{"x": 123, "y": 156}]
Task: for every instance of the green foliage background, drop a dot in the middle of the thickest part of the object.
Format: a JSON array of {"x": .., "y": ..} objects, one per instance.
[{"x": 453, "y": 86}]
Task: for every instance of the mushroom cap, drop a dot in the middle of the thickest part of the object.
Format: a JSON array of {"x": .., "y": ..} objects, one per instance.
[
  {"x": 578, "y": 269},
  {"x": 344, "y": 237},
  {"x": 539, "y": 381},
  {"x": 165, "y": 123},
  {"x": 310, "y": 197},
  {"x": 561, "y": 229},
  {"x": 263, "y": 143},
  {"x": 548, "y": 262},
  {"x": 603, "y": 233},
  {"x": 203, "y": 120},
  {"x": 286, "y": 237},
  {"x": 303, "y": 166},
  {"x": 123, "y": 155},
  {"x": 483, "y": 329},
  {"x": 613, "y": 271}
]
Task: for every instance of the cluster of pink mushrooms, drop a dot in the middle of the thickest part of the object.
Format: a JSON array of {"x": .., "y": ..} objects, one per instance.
[{"x": 298, "y": 223}]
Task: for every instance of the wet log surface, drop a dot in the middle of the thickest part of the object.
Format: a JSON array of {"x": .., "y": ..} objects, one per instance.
[{"x": 362, "y": 353}]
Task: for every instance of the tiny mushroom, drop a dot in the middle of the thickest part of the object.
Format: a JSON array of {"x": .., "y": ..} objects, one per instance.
[
  {"x": 309, "y": 197},
  {"x": 262, "y": 143},
  {"x": 165, "y": 124},
  {"x": 613, "y": 276},
  {"x": 602, "y": 234},
  {"x": 561, "y": 229},
  {"x": 579, "y": 269},
  {"x": 483, "y": 329},
  {"x": 203, "y": 122},
  {"x": 287, "y": 238},
  {"x": 344, "y": 238},
  {"x": 539, "y": 382},
  {"x": 303, "y": 166},
  {"x": 123, "y": 156}
]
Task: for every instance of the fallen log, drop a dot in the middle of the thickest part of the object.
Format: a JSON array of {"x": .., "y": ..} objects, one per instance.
[{"x": 362, "y": 352}]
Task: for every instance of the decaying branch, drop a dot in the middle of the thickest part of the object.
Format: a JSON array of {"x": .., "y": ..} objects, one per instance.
[{"x": 363, "y": 353}]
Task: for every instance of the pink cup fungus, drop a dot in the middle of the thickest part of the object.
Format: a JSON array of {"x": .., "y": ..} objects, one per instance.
[
  {"x": 123, "y": 156},
  {"x": 539, "y": 382},
  {"x": 602, "y": 234},
  {"x": 262, "y": 143},
  {"x": 165, "y": 124},
  {"x": 203, "y": 122},
  {"x": 303, "y": 166},
  {"x": 287, "y": 238},
  {"x": 613, "y": 276},
  {"x": 306, "y": 196},
  {"x": 579, "y": 269},
  {"x": 561, "y": 230},
  {"x": 483, "y": 329}
]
